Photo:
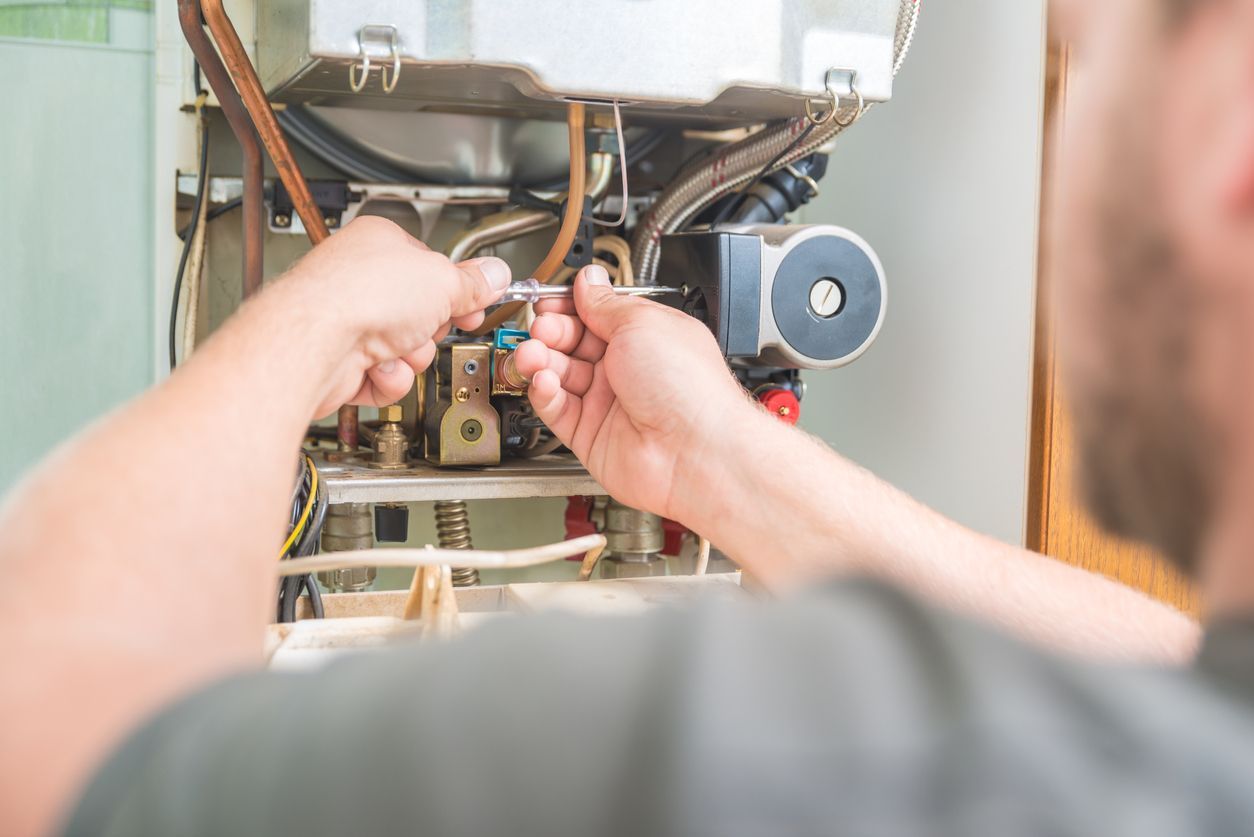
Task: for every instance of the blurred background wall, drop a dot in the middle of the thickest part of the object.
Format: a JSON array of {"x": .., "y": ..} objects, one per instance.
[
  {"x": 76, "y": 174},
  {"x": 942, "y": 181}
]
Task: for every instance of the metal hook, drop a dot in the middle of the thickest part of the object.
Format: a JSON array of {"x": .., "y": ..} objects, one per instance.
[
  {"x": 390, "y": 85},
  {"x": 834, "y": 99},
  {"x": 822, "y": 119},
  {"x": 358, "y": 83},
  {"x": 857, "y": 113}
]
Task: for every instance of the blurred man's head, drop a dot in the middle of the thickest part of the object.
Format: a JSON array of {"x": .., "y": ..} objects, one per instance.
[{"x": 1154, "y": 261}]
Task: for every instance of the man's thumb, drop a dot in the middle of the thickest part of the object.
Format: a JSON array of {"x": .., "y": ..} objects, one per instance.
[{"x": 601, "y": 310}]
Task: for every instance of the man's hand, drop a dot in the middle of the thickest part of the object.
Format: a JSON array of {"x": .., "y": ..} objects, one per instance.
[
  {"x": 637, "y": 390},
  {"x": 352, "y": 321},
  {"x": 396, "y": 298}
]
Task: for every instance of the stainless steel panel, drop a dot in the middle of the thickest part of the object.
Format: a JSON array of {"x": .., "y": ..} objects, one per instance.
[
  {"x": 551, "y": 476},
  {"x": 687, "y": 59}
]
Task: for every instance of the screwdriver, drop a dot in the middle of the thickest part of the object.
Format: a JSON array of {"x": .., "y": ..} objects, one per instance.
[{"x": 532, "y": 290}]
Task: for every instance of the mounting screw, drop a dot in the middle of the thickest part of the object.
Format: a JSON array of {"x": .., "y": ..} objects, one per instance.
[
  {"x": 331, "y": 221},
  {"x": 281, "y": 220},
  {"x": 827, "y": 298},
  {"x": 472, "y": 430},
  {"x": 462, "y": 394}
]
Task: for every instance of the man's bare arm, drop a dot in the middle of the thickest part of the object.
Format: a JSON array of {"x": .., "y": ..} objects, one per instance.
[
  {"x": 644, "y": 399},
  {"x": 832, "y": 515},
  {"x": 138, "y": 558}
]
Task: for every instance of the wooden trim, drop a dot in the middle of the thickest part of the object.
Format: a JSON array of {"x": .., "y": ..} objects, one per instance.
[
  {"x": 1056, "y": 523},
  {"x": 1041, "y": 436}
]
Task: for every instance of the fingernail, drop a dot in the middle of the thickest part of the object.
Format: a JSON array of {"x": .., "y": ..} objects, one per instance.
[
  {"x": 594, "y": 274},
  {"x": 495, "y": 270},
  {"x": 386, "y": 367}
]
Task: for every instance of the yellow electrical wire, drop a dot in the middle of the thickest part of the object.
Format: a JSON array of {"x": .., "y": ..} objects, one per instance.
[{"x": 304, "y": 515}]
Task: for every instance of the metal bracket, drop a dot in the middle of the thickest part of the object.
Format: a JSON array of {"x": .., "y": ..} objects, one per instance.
[
  {"x": 386, "y": 36},
  {"x": 840, "y": 83},
  {"x": 804, "y": 178}
]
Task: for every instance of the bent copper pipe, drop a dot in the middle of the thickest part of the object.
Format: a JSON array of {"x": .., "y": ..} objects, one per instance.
[
  {"x": 241, "y": 126},
  {"x": 258, "y": 106}
]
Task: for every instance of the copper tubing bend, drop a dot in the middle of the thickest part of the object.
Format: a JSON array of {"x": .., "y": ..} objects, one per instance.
[
  {"x": 242, "y": 127},
  {"x": 250, "y": 90},
  {"x": 570, "y": 220},
  {"x": 258, "y": 106}
]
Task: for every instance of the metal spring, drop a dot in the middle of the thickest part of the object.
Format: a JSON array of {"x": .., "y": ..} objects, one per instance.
[{"x": 452, "y": 529}]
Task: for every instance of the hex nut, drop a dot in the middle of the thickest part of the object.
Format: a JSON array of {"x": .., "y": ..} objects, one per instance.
[{"x": 391, "y": 413}]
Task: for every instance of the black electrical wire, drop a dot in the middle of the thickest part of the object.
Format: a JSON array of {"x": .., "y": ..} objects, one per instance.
[
  {"x": 315, "y": 596},
  {"x": 645, "y": 145},
  {"x": 291, "y": 587},
  {"x": 212, "y": 214},
  {"x": 725, "y": 212},
  {"x": 202, "y": 188},
  {"x": 635, "y": 151},
  {"x": 336, "y": 152}
]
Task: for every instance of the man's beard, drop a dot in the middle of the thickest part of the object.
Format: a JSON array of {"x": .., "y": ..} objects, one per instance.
[{"x": 1146, "y": 454}]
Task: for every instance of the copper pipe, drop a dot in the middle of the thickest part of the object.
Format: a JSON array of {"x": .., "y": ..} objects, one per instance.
[
  {"x": 548, "y": 268},
  {"x": 254, "y": 96},
  {"x": 346, "y": 428},
  {"x": 242, "y": 127}
]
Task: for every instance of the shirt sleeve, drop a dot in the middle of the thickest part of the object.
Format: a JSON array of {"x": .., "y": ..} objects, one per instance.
[{"x": 850, "y": 711}]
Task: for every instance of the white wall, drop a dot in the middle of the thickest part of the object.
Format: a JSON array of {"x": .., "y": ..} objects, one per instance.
[
  {"x": 943, "y": 182},
  {"x": 75, "y": 250}
]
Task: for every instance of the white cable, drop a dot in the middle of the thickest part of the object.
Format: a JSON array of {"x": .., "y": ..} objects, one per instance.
[
  {"x": 622, "y": 165},
  {"x": 703, "y": 557},
  {"x": 433, "y": 557},
  {"x": 195, "y": 267}
]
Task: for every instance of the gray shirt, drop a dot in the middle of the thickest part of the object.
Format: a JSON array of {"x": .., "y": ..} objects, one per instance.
[{"x": 851, "y": 710}]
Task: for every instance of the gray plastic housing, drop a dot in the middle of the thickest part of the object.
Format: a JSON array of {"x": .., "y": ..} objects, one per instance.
[{"x": 752, "y": 286}]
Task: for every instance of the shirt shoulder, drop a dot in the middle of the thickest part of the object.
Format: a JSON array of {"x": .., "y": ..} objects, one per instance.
[{"x": 852, "y": 707}]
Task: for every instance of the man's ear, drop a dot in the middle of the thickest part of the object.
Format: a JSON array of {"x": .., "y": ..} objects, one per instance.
[
  {"x": 1205, "y": 119},
  {"x": 1231, "y": 144},
  {"x": 1234, "y": 153}
]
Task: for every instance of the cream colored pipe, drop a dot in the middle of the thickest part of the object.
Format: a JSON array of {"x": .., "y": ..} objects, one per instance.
[
  {"x": 515, "y": 223},
  {"x": 432, "y": 557}
]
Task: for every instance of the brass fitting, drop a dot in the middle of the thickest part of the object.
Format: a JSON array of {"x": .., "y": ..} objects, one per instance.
[
  {"x": 391, "y": 445},
  {"x": 506, "y": 379}
]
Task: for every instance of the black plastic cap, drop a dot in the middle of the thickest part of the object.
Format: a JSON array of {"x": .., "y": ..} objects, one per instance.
[{"x": 391, "y": 523}]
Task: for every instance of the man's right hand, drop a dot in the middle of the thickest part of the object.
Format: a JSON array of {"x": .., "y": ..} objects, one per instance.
[{"x": 638, "y": 391}]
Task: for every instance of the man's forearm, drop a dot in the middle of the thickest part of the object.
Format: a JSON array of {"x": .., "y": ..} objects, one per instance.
[
  {"x": 827, "y": 515},
  {"x": 190, "y": 479}
]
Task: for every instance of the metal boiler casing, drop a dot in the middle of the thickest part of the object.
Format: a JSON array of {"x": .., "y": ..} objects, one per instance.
[{"x": 683, "y": 60}]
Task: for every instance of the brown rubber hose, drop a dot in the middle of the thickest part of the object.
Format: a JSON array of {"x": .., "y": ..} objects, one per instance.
[{"x": 548, "y": 268}]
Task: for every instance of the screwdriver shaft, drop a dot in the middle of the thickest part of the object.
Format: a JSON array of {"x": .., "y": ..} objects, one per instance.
[{"x": 530, "y": 290}]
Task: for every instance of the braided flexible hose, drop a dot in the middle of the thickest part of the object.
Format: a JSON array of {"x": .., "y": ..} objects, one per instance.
[
  {"x": 452, "y": 529},
  {"x": 705, "y": 181}
]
